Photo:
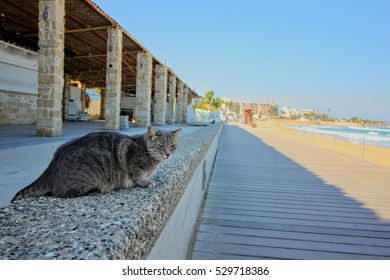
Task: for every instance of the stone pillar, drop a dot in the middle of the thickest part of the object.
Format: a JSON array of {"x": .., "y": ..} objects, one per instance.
[
  {"x": 113, "y": 78},
  {"x": 172, "y": 97},
  {"x": 185, "y": 104},
  {"x": 50, "y": 67},
  {"x": 160, "y": 94},
  {"x": 144, "y": 89},
  {"x": 102, "y": 103},
  {"x": 66, "y": 97},
  {"x": 180, "y": 102}
]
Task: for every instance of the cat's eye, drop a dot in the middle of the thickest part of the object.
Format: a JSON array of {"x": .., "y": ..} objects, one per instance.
[{"x": 173, "y": 146}]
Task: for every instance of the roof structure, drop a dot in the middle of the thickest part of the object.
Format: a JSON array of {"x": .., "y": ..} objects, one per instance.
[{"x": 85, "y": 42}]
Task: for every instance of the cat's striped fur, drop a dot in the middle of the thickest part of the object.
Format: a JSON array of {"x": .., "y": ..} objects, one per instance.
[{"x": 103, "y": 161}]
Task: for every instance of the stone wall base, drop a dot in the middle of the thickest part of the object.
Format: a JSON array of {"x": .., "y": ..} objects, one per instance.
[{"x": 18, "y": 108}]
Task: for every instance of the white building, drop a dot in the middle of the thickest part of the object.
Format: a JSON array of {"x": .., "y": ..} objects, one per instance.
[{"x": 288, "y": 112}]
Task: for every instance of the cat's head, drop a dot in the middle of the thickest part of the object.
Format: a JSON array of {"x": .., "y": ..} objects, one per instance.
[{"x": 162, "y": 144}]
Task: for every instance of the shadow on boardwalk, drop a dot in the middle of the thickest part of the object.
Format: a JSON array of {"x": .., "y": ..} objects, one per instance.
[{"x": 262, "y": 205}]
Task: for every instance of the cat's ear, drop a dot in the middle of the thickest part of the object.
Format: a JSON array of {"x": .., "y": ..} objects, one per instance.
[
  {"x": 152, "y": 132},
  {"x": 176, "y": 133}
]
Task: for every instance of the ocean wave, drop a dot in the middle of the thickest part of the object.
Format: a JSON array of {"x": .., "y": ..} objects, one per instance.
[
  {"x": 374, "y": 136},
  {"x": 373, "y": 133}
]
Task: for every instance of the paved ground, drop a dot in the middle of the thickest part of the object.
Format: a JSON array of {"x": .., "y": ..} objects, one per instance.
[
  {"x": 262, "y": 204},
  {"x": 24, "y": 156}
]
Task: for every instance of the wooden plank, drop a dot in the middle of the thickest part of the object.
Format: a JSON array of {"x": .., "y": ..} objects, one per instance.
[
  {"x": 197, "y": 255},
  {"x": 299, "y": 228},
  {"x": 275, "y": 253},
  {"x": 292, "y": 214},
  {"x": 286, "y": 201},
  {"x": 325, "y": 247},
  {"x": 296, "y": 221},
  {"x": 287, "y": 235},
  {"x": 297, "y": 210},
  {"x": 262, "y": 205},
  {"x": 286, "y": 194},
  {"x": 288, "y": 205}
]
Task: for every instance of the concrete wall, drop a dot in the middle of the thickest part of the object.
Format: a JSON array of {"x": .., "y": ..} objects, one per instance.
[
  {"x": 173, "y": 243},
  {"x": 18, "y": 85}
]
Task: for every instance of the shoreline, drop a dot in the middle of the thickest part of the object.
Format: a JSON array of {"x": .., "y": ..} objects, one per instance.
[{"x": 374, "y": 154}]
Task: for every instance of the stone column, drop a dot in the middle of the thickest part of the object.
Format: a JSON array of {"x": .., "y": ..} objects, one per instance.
[
  {"x": 160, "y": 94},
  {"x": 113, "y": 79},
  {"x": 144, "y": 89},
  {"x": 180, "y": 102},
  {"x": 66, "y": 97},
  {"x": 172, "y": 97},
  {"x": 50, "y": 67},
  {"x": 102, "y": 103},
  {"x": 185, "y": 104}
]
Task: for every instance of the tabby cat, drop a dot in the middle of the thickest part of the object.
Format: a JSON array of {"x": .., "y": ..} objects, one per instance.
[{"x": 103, "y": 161}]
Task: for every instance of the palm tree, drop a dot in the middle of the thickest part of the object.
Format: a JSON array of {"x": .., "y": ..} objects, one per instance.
[
  {"x": 208, "y": 97},
  {"x": 217, "y": 103}
]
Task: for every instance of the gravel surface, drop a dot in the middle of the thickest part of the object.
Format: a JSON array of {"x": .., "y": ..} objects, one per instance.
[{"x": 123, "y": 224}]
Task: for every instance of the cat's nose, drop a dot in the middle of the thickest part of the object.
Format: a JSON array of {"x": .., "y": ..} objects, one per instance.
[{"x": 168, "y": 154}]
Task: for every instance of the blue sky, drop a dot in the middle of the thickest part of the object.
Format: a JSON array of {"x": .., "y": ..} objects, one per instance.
[{"x": 299, "y": 53}]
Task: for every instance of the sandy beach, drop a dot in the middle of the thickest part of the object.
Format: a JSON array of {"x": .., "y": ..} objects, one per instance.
[
  {"x": 363, "y": 151},
  {"x": 367, "y": 182}
]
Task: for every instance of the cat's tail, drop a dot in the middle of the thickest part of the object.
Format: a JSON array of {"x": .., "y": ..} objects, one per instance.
[{"x": 35, "y": 189}]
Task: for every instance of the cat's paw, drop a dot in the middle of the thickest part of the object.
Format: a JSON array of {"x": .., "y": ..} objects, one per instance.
[
  {"x": 151, "y": 184},
  {"x": 147, "y": 183}
]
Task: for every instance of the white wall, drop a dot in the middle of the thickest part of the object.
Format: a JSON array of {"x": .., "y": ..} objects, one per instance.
[
  {"x": 175, "y": 240},
  {"x": 18, "y": 69}
]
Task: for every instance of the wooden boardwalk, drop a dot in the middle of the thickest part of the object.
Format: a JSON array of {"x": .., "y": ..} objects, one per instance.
[{"x": 262, "y": 205}]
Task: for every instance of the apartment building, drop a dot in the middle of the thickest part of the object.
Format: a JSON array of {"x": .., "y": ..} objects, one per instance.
[{"x": 288, "y": 112}]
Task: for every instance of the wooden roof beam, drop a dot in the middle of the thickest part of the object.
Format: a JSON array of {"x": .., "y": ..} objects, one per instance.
[
  {"x": 21, "y": 8},
  {"x": 87, "y": 71},
  {"x": 88, "y": 26},
  {"x": 70, "y": 31},
  {"x": 128, "y": 66},
  {"x": 98, "y": 55},
  {"x": 18, "y": 23},
  {"x": 87, "y": 43},
  {"x": 88, "y": 29}
]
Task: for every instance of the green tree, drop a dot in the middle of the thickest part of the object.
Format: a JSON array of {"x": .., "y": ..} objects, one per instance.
[
  {"x": 208, "y": 97},
  {"x": 200, "y": 104},
  {"x": 229, "y": 104},
  {"x": 209, "y": 102},
  {"x": 216, "y": 103}
]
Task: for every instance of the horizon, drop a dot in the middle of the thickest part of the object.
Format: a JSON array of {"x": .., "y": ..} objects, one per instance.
[
  {"x": 321, "y": 55},
  {"x": 327, "y": 113}
]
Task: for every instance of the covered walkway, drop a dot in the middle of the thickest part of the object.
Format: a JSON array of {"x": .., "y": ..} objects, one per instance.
[
  {"x": 263, "y": 205},
  {"x": 86, "y": 47}
]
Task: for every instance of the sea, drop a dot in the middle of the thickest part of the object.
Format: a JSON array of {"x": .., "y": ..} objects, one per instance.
[{"x": 377, "y": 136}]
